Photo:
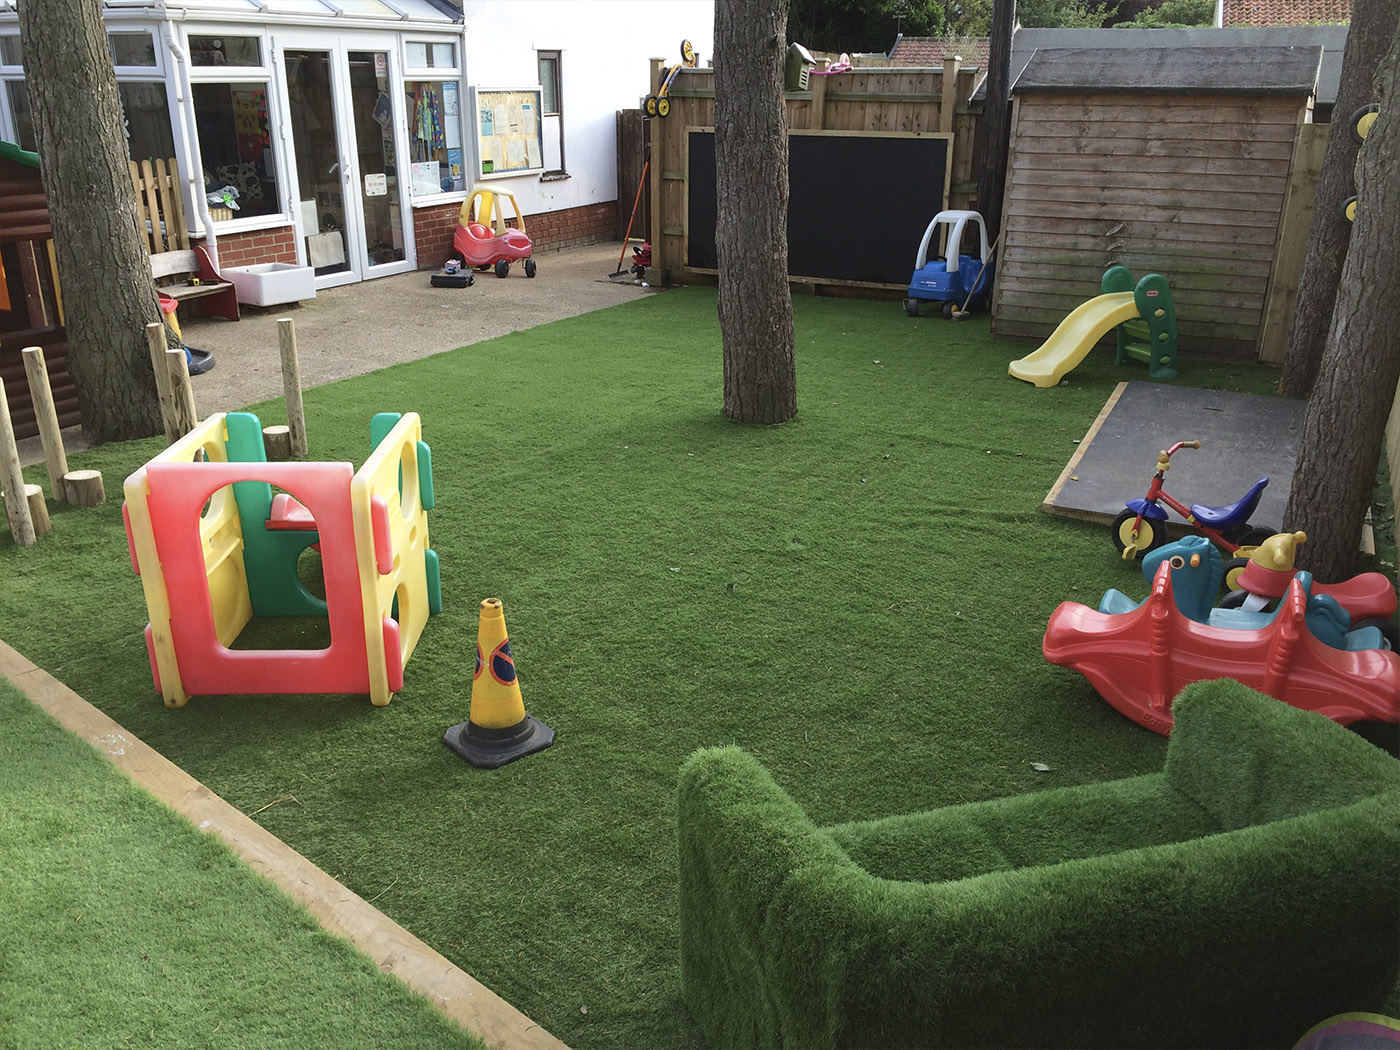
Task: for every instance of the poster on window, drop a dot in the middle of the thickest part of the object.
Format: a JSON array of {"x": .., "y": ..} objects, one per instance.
[{"x": 508, "y": 131}]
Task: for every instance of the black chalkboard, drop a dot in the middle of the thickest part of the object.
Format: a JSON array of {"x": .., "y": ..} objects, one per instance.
[{"x": 858, "y": 205}]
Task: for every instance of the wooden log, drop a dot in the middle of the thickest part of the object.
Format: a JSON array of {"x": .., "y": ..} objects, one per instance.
[
  {"x": 277, "y": 441},
  {"x": 155, "y": 344},
  {"x": 16, "y": 507},
  {"x": 183, "y": 417},
  {"x": 46, "y": 417},
  {"x": 291, "y": 386},
  {"x": 84, "y": 488},
  {"x": 38, "y": 509}
]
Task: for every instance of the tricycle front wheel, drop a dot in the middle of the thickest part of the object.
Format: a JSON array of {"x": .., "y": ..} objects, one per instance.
[{"x": 1150, "y": 535}]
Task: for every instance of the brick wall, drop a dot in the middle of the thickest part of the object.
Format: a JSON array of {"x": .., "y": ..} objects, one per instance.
[
  {"x": 258, "y": 246},
  {"x": 549, "y": 231}
]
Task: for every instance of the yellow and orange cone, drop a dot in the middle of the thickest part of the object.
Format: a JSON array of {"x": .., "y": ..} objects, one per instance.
[{"x": 497, "y": 729}]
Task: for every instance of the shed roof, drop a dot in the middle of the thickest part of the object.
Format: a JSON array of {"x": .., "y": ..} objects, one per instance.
[
  {"x": 1332, "y": 40},
  {"x": 9, "y": 151},
  {"x": 1174, "y": 71}
]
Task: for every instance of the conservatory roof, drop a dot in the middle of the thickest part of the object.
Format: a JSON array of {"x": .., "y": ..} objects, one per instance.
[{"x": 389, "y": 10}]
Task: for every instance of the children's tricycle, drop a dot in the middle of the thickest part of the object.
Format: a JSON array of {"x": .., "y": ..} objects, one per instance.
[
  {"x": 476, "y": 244},
  {"x": 1141, "y": 526},
  {"x": 957, "y": 278}
]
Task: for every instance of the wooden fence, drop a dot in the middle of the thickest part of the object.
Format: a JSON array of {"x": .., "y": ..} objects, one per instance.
[{"x": 875, "y": 102}]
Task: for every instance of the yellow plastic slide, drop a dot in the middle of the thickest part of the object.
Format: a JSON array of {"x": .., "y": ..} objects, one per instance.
[{"x": 1070, "y": 343}]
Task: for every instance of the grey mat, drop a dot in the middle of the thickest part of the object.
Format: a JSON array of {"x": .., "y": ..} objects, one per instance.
[{"x": 1243, "y": 437}]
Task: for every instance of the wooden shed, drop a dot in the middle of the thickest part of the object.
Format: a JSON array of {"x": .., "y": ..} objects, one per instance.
[
  {"x": 31, "y": 307},
  {"x": 1166, "y": 160}
]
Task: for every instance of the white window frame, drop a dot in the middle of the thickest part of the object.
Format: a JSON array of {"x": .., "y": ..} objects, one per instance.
[{"x": 440, "y": 74}]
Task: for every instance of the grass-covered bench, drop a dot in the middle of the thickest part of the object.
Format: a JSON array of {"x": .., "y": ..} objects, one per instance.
[{"x": 1245, "y": 893}]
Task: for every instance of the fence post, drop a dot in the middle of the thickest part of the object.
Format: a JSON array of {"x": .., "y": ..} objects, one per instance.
[{"x": 948, "y": 106}]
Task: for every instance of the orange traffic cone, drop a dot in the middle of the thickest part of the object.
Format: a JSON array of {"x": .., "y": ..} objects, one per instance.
[{"x": 497, "y": 729}]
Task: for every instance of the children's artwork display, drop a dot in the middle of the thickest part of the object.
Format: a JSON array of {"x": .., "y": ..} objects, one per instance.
[{"x": 509, "y": 136}]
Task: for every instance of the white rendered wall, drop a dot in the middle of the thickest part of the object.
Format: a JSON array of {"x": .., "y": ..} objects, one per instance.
[{"x": 605, "y": 50}]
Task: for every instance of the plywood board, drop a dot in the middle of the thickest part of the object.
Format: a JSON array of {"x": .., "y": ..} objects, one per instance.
[{"x": 1243, "y": 437}]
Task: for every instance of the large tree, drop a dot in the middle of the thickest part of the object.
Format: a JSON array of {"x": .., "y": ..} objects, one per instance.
[
  {"x": 990, "y": 142},
  {"x": 109, "y": 297},
  {"x": 1373, "y": 24},
  {"x": 1344, "y": 425},
  {"x": 751, "y": 173}
]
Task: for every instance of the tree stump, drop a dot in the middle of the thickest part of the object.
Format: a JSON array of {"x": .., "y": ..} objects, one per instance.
[
  {"x": 38, "y": 509},
  {"x": 84, "y": 488},
  {"x": 277, "y": 440}
]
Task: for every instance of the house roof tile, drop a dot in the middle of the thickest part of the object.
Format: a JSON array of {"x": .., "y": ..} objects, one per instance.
[
  {"x": 932, "y": 50},
  {"x": 1285, "y": 12}
]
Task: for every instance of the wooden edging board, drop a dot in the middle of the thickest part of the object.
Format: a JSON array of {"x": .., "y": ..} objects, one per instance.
[
  {"x": 1048, "y": 504},
  {"x": 393, "y": 949}
]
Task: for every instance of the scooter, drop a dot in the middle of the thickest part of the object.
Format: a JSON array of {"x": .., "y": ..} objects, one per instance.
[{"x": 1141, "y": 527}]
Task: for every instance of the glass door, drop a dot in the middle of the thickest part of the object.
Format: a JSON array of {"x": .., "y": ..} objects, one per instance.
[{"x": 345, "y": 126}]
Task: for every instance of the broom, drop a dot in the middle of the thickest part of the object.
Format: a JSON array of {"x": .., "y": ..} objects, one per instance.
[
  {"x": 958, "y": 315},
  {"x": 626, "y": 275}
]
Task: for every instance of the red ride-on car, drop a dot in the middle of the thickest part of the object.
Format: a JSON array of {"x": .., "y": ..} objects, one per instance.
[{"x": 475, "y": 243}]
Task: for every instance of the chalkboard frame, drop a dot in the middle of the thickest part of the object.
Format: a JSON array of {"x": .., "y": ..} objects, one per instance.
[{"x": 898, "y": 203}]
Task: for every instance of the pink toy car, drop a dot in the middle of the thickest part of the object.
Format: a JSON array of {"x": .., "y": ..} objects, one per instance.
[{"x": 475, "y": 244}]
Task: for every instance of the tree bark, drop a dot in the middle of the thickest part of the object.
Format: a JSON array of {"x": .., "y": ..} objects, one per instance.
[
  {"x": 751, "y": 171},
  {"x": 991, "y": 139},
  {"x": 109, "y": 296},
  {"x": 1344, "y": 425},
  {"x": 1373, "y": 24}
]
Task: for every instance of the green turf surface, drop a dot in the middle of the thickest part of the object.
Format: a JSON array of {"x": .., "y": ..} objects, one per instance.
[
  {"x": 124, "y": 926},
  {"x": 857, "y": 598}
]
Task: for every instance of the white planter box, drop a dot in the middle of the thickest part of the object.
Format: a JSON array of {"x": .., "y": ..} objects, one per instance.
[{"x": 269, "y": 284}]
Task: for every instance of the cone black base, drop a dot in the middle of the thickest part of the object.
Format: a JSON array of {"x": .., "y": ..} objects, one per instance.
[{"x": 493, "y": 748}]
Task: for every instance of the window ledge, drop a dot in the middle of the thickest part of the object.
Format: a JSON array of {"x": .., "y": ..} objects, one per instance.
[{"x": 554, "y": 176}]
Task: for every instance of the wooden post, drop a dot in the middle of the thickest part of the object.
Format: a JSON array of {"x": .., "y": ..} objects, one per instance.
[
  {"x": 948, "y": 107},
  {"x": 16, "y": 506},
  {"x": 277, "y": 443},
  {"x": 33, "y": 289},
  {"x": 84, "y": 488},
  {"x": 155, "y": 343},
  {"x": 182, "y": 413},
  {"x": 291, "y": 386},
  {"x": 38, "y": 509},
  {"x": 817, "y": 122},
  {"x": 656, "y": 140},
  {"x": 41, "y": 393}
]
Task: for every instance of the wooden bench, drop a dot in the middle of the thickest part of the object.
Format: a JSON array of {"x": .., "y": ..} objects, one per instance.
[{"x": 182, "y": 271}]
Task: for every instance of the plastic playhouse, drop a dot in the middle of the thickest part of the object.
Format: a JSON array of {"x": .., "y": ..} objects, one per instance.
[
  {"x": 1141, "y": 313},
  {"x": 1138, "y": 657},
  {"x": 482, "y": 238},
  {"x": 215, "y": 547},
  {"x": 956, "y": 278}
]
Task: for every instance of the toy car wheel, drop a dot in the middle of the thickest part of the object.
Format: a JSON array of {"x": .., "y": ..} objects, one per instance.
[
  {"x": 911, "y": 307},
  {"x": 1388, "y": 630},
  {"x": 663, "y": 107},
  {"x": 529, "y": 267},
  {"x": 1248, "y": 535},
  {"x": 687, "y": 52},
  {"x": 1362, "y": 120},
  {"x": 483, "y": 268},
  {"x": 502, "y": 267},
  {"x": 1349, "y": 209},
  {"x": 649, "y": 107},
  {"x": 1150, "y": 535},
  {"x": 1230, "y": 579},
  {"x": 947, "y": 311}
]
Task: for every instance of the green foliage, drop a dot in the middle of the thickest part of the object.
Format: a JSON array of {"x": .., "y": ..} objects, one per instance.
[
  {"x": 123, "y": 926},
  {"x": 970, "y": 18},
  {"x": 863, "y": 25},
  {"x": 1064, "y": 14},
  {"x": 1171, "y": 14}
]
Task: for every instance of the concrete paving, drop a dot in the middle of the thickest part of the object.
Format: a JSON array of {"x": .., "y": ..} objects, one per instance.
[{"x": 358, "y": 328}]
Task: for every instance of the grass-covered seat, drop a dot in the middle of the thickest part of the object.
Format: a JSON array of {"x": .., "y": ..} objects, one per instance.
[{"x": 1246, "y": 892}]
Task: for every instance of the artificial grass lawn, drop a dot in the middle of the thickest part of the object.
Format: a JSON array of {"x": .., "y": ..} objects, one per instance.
[
  {"x": 123, "y": 926},
  {"x": 857, "y": 598}
]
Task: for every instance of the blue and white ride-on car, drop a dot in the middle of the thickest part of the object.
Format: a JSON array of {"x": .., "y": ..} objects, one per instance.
[{"x": 950, "y": 280}]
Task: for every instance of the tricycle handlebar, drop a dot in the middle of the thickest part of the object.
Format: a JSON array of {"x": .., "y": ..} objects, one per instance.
[{"x": 1164, "y": 457}]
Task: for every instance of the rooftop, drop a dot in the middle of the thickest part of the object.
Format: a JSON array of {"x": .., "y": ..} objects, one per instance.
[
  {"x": 1285, "y": 12},
  {"x": 932, "y": 50}
]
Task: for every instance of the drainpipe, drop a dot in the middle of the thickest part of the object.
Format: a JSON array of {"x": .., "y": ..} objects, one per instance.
[{"x": 194, "y": 162}]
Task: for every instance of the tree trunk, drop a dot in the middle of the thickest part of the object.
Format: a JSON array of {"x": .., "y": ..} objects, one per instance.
[
  {"x": 991, "y": 140},
  {"x": 1345, "y": 421},
  {"x": 109, "y": 296},
  {"x": 1373, "y": 24},
  {"x": 751, "y": 171}
]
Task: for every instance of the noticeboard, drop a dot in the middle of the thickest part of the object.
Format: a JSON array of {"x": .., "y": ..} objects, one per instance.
[{"x": 510, "y": 140}]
